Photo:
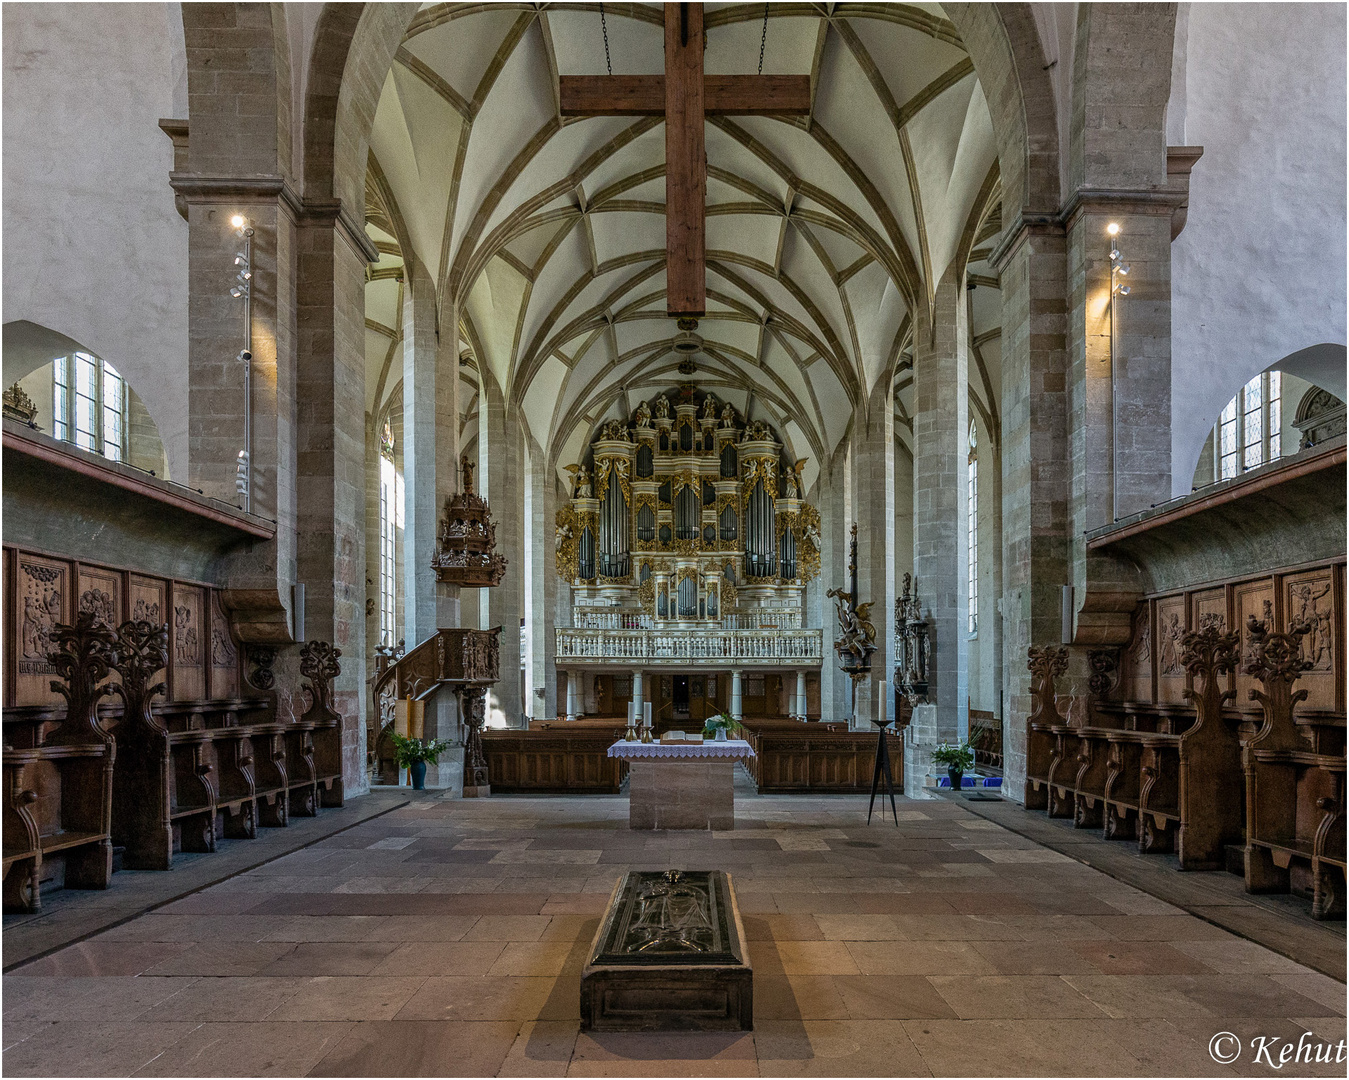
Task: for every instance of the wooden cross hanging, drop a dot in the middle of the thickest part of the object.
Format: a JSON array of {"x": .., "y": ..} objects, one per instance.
[{"x": 684, "y": 95}]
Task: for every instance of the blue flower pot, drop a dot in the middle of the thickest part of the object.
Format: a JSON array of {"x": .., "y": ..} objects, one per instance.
[
  {"x": 957, "y": 778},
  {"x": 418, "y": 771}
]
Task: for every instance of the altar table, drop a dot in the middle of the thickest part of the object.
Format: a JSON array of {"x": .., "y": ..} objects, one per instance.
[{"x": 681, "y": 785}]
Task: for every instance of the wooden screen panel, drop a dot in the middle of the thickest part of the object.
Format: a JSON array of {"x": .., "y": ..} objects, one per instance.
[
  {"x": 224, "y": 653},
  {"x": 1251, "y": 599},
  {"x": 1136, "y": 661},
  {"x": 146, "y": 600},
  {"x": 187, "y": 644},
  {"x": 1171, "y": 627},
  {"x": 1209, "y": 608},
  {"x": 42, "y": 598},
  {"x": 1309, "y": 600},
  {"x": 99, "y": 591}
]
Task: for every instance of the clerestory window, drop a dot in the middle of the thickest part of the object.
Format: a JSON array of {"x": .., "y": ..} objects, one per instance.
[
  {"x": 1248, "y": 432},
  {"x": 89, "y": 404}
]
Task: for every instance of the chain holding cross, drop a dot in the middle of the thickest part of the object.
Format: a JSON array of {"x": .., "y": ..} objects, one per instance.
[{"x": 684, "y": 96}]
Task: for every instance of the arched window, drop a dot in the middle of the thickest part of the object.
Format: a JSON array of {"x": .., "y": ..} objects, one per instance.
[
  {"x": 1248, "y": 432},
  {"x": 972, "y": 524},
  {"x": 89, "y": 404},
  {"x": 390, "y": 520}
]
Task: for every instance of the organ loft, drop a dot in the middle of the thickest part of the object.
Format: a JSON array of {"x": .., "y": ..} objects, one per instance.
[{"x": 688, "y": 547}]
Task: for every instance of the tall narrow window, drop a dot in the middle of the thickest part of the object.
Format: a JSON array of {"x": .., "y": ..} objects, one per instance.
[
  {"x": 972, "y": 516},
  {"x": 1248, "y": 432},
  {"x": 61, "y": 398},
  {"x": 388, "y": 513},
  {"x": 89, "y": 404},
  {"x": 1227, "y": 442},
  {"x": 1275, "y": 399},
  {"x": 1252, "y": 424}
]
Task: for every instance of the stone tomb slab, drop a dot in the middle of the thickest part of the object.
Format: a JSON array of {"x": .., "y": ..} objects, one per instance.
[{"x": 669, "y": 956}]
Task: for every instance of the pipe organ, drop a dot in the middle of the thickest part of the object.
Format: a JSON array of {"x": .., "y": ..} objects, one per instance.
[{"x": 684, "y": 513}]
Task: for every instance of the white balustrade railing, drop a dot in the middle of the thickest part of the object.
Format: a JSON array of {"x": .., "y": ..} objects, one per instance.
[
  {"x": 583, "y": 619},
  {"x": 656, "y": 647},
  {"x": 786, "y": 619}
]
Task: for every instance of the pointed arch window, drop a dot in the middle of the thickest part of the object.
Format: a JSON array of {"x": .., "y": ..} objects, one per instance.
[
  {"x": 1249, "y": 429},
  {"x": 390, "y": 520},
  {"x": 89, "y": 404},
  {"x": 972, "y": 525}
]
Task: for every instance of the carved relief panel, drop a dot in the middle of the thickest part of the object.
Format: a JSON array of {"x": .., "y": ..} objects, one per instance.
[
  {"x": 1251, "y": 599},
  {"x": 1309, "y": 601},
  {"x": 146, "y": 600},
  {"x": 224, "y": 653},
  {"x": 188, "y": 642},
  {"x": 1136, "y": 660},
  {"x": 99, "y": 592},
  {"x": 1170, "y": 615},
  {"x": 42, "y": 599}
]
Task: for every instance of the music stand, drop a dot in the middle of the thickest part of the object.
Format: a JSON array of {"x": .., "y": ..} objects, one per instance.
[{"x": 882, "y": 771}]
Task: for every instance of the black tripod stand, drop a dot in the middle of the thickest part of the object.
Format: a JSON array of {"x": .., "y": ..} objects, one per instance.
[{"x": 882, "y": 771}]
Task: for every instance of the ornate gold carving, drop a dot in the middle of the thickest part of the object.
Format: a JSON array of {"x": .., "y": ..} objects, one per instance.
[
  {"x": 756, "y": 469},
  {"x": 567, "y": 544},
  {"x": 805, "y": 527},
  {"x": 18, "y": 405}
]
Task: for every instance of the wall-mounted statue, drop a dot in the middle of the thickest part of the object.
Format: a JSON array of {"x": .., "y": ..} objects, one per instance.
[
  {"x": 709, "y": 407},
  {"x": 662, "y": 408},
  {"x": 643, "y": 415}
]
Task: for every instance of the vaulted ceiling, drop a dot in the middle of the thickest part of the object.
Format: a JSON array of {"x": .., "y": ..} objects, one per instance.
[{"x": 546, "y": 236}]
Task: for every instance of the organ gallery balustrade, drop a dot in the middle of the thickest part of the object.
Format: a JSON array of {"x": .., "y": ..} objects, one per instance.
[{"x": 657, "y": 647}]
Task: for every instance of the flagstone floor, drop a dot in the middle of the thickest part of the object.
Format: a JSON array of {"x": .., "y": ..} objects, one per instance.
[{"x": 446, "y": 938}]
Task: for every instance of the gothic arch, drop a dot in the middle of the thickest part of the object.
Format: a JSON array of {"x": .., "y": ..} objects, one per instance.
[{"x": 1005, "y": 46}]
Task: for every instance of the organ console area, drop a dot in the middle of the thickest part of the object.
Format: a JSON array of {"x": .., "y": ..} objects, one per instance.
[{"x": 685, "y": 517}]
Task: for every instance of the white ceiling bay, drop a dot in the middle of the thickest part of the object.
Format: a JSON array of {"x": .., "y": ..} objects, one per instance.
[{"x": 546, "y": 236}]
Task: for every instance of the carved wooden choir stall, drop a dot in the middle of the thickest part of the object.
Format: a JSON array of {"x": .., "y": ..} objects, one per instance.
[
  {"x": 1222, "y": 783},
  {"x": 185, "y": 757}
]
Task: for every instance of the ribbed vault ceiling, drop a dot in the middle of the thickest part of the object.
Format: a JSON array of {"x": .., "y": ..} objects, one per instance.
[{"x": 547, "y": 236}]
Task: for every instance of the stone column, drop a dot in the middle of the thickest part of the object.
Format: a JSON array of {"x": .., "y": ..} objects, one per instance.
[
  {"x": 1035, "y": 465},
  {"x": 542, "y": 491},
  {"x": 829, "y": 499},
  {"x": 940, "y": 460},
  {"x": 800, "y": 695},
  {"x": 421, "y": 431},
  {"x": 737, "y": 697},
  {"x": 333, "y": 252},
  {"x": 501, "y": 453},
  {"x": 873, "y": 506},
  {"x": 571, "y": 695}
]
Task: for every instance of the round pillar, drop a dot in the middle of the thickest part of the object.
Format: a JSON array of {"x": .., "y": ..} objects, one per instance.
[
  {"x": 800, "y": 695},
  {"x": 737, "y": 702}
]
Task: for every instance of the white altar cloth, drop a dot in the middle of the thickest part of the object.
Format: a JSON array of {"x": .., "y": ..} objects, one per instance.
[{"x": 706, "y": 751}]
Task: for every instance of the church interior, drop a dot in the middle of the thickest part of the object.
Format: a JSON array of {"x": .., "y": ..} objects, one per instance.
[{"x": 823, "y": 553}]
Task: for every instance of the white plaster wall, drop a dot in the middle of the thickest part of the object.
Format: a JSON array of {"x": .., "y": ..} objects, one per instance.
[
  {"x": 93, "y": 247},
  {"x": 1259, "y": 271}
]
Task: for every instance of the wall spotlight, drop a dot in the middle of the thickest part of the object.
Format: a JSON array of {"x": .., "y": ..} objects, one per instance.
[
  {"x": 238, "y": 221},
  {"x": 1113, "y": 228}
]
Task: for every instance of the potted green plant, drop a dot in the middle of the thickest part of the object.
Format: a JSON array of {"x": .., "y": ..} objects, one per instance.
[
  {"x": 415, "y": 754},
  {"x": 719, "y": 726},
  {"x": 957, "y": 757}
]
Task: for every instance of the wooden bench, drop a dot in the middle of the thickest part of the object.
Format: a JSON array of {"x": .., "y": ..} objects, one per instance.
[
  {"x": 58, "y": 788},
  {"x": 792, "y": 757},
  {"x": 1295, "y": 772},
  {"x": 571, "y": 761}
]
